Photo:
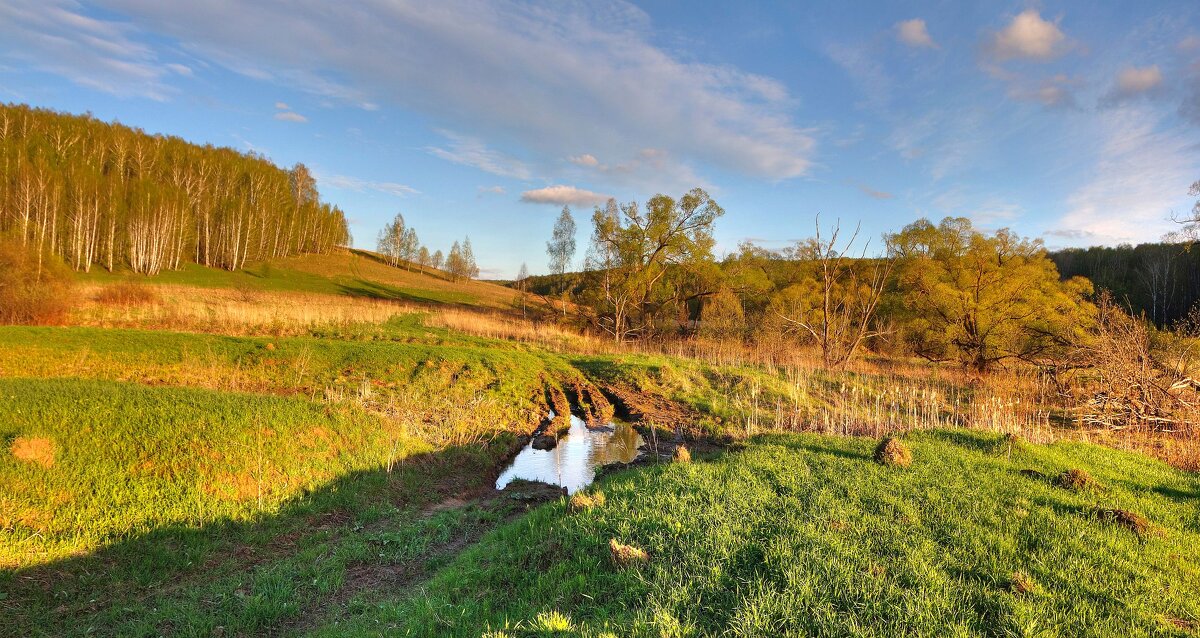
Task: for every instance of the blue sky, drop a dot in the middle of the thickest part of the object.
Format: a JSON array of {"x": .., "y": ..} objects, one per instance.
[{"x": 1075, "y": 122}]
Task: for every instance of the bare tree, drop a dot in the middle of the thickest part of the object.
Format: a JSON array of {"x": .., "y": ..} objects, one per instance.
[{"x": 837, "y": 309}]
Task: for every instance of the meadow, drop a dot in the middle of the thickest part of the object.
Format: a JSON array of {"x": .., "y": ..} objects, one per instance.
[{"x": 309, "y": 447}]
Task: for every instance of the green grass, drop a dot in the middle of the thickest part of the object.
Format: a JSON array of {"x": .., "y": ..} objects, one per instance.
[
  {"x": 357, "y": 274},
  {"x": 804, "y": 535}
]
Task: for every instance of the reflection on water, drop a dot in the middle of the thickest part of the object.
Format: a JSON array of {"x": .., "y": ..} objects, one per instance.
[{"x": 572, "y": 464}]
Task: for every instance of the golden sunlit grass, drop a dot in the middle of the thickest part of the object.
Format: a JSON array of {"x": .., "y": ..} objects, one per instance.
[{"x": 38, "y": 450}]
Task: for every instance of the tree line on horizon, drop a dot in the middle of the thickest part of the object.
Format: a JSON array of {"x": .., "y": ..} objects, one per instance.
[
  {"x": 99, "y": 193},
  {"x": 401, "y": 247},
  {"x": 944, "y": 291}
]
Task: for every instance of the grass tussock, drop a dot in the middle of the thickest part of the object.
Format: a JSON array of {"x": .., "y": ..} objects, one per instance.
[
  {"x": 1020, "y": 583},
  {"x": 583, "y": 501},
  {"x": 1078, "y": 480},
  {"x": 892, "y": 452},
  {"x": 627, "y": 555},
  {"x": 39, "y": 450}
]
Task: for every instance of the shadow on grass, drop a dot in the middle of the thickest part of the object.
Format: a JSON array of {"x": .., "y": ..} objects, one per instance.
[
  {"x": 984, "y": 443},
  {"x": 244, "y": 576}
]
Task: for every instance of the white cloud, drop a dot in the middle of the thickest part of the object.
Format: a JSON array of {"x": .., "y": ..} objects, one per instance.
[
  {"x": 288, "y": 116},
  {"x": 282, "y": 106},
  {"x": 1141, "y": 174},
  {"x": 563, "y": 195},
  {"x": 914, "y": 33},
  {"x": 468, "y": 151},
  {"x": 538, "y": 76},
  {"x": 1028, "y": 36},
  {"x": 586, "y": 159},
  {"x": 346, "y": 182},
  {"x": 494, "y": 190},
  {"x": 180, "y": 69}
]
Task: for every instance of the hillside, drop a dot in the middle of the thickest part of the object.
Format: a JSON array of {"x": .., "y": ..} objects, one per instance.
[
  {"x": 310, "y": 445},
  {"x": 353, "y": 273}
]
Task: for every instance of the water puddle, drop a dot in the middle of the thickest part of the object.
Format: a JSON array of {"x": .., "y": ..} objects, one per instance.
[{"x": 573, "y": 463}]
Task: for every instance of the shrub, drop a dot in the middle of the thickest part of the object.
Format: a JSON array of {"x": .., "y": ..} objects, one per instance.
[
  {"x": 126, "y": 293},
  {"x": 627, "y": 555},
  {"x": 34, "y": 289},
  {"x": 582, "y": 502},
  {"x": 681, "y": 455},
  {"x": 893, "y": 453}
]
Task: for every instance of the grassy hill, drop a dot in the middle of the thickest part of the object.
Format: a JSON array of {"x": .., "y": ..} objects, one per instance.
[
  {"x": 355, "y": 273},
  {"x": 806, "y": 535},
  {"x": 309, "y": 447}
]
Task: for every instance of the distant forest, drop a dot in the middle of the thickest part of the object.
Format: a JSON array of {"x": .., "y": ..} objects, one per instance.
[
  {"x": 1161, "y": 280},
  {"x": 99, "y": 193}
]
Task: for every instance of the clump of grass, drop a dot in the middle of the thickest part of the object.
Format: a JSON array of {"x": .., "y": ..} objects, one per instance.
[
  {"x": 1078, "y": 480},
  {"x": 1132, "y": 521},
  {"x": 552, "y": 622},
  {"x": 582, "y": 502},
  {"x": 1020, "y": 583},
  {"x": 34, "y": 450},
  {"x": 682, "y": 455},
  {"x": 126, "y": 293},
  {"x": 627, "y": 555},
  {"x": 893, "y": 453}
]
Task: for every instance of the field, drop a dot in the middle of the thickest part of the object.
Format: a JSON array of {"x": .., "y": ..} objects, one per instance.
[{"x": 309, "y": 447}]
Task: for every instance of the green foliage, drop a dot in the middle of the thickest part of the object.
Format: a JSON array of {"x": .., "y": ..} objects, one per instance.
[
  {"x": 648, "y": 265},
  {"x": 984, "y": 299},
  {"x": 100, "y": 193}
]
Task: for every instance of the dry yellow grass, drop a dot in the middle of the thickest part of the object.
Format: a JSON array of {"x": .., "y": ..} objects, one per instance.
[
  {"x": 236, "y": 312},
  {"x": 33, "y": 450}
]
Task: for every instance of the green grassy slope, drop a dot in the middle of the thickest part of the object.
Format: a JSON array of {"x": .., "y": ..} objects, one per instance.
[
  {"x": 805, "y": 535},
  {"x": 355, "y": 273}
]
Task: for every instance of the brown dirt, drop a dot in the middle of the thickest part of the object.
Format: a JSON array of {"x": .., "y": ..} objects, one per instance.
[
  {"x": 1132, "y": 521},
  {"x": 34, "y": 450},
  {"x": 645, "y": 408}
]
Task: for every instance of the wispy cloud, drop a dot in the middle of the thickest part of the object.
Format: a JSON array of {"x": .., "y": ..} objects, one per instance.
[
  {"x": 1142, "y": 172},
  {"x": 872, "y": 193},
  {"x": 563, "y": 195},
  {"x": 506, "y": 71},
  {"x": 288, "y": 116},
  {"x": 469, "y": 151},
  {"x": 358, "y": 185},
  {"x": 56, "y": 37},
  {"x": 492, "y": 190}
]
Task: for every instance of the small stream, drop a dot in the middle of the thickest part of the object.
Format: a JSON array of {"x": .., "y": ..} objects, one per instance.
[{"x": 573, "y": 463}]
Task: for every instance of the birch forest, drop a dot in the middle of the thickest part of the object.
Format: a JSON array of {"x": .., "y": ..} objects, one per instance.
[{"x": 103, "y": 194}]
